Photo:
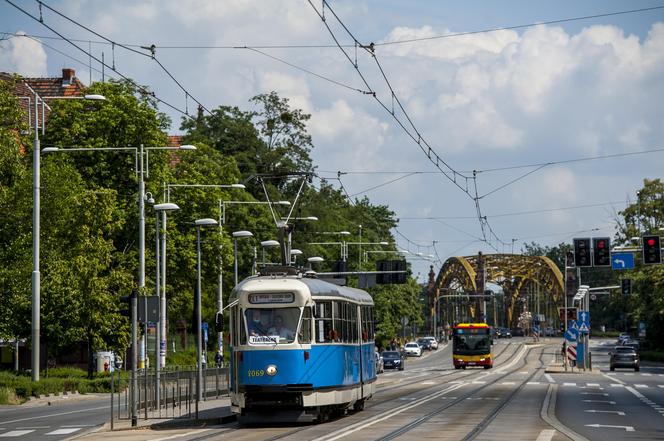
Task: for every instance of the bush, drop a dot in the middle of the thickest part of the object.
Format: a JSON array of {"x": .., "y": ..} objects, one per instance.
[
  {"x": 65, "y": 372},
  {"x": 652, "y": 356},
  {"x": 8, "y": 396}
]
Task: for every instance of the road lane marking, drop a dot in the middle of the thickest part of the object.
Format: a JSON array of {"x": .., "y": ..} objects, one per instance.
[
  {"x": 533, "y": 383},
  {"x": 569, "y": 384},
  {"x": 54, "y": 415},
  {"x": 546, "y": 435},
  {"x": 479, "y": 382},
  {"x": 617, "y": 412},
  {"x": 595, "y": 393},
  {"x": 617, "y": 385},
  {"x": 15, "y": 433},
  {"x": 507, "y": 383},
  {"x": 599, "y": 426},
  {"x": 645, "y": 374},
  {"x": 612, "y": 379},
  {"x": 599, "y": 401},
  {"x": 64, "y": 431},
  {"x": 428, "y": 382},
  {"x": 180, "y": 435},
  {"x": 628, "y": 374},
  {"x": 592, "y": 384},
  {"x": 641, "y": 386},
  {"x": 549, "y": 378},
  {"x": 661, "y": 385}
]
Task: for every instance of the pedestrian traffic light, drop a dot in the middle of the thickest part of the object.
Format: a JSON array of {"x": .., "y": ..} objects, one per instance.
[
  {"x": 626, "y": 286},
  {"x": 126, "y": 312},
  {"x": 652, "y": 252},
  {"x": 219, "y": 322},
  {"x": 582, "y": 252},
  {"x": 601, "y": 251}
]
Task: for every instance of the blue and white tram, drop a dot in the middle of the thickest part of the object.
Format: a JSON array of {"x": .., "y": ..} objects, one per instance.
[{"x": 301, "y": 348}]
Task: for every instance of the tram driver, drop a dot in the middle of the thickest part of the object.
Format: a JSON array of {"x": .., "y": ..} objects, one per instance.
[
  {"x": 256, "y": 325},
  {"x": 279, "y": 329}
]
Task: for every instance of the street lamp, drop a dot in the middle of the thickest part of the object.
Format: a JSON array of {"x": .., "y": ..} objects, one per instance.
[
  {"x": 160, "y": 346},
  {"x": 238, "y": 235},
  {"x": 294, "y": 253},
  {"x": 36, "y": 276},
  {"x": 206, "y": 222},
  {"x": 268, "y": 244},
  {"x": 220, "y": 300}
]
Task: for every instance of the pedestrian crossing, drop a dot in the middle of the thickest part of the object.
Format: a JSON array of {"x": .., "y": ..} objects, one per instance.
[{"x": 51, "y": 431}]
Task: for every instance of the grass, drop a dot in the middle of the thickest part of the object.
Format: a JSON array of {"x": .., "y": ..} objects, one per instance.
[{"x": 18, "y": 387}]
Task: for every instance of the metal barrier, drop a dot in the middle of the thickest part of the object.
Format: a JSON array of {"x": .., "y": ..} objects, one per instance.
[{"x": 177, "y": 393}]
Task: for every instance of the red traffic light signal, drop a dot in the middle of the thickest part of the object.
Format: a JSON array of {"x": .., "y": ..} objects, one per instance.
[
  {"x": 652, "y": 253},
  {"x": 601, "y": 251}
]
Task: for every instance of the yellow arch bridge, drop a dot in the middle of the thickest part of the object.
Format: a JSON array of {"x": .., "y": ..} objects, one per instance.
[{"x": 530, "y": 284}]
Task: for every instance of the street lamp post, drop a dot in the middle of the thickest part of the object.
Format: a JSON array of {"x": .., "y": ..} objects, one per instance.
[
  {"x": 220, "y": 301},
  {"x": 206, "y": 222},
  {"x": 141, "y": 172},
  {"x": 159, "y": 273},
  {"x": 36, "y": 214},
  {"x": 238, "y": 235}
]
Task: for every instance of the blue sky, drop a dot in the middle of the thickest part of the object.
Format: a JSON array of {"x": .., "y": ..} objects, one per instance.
[{"x": 548, "y": 93}]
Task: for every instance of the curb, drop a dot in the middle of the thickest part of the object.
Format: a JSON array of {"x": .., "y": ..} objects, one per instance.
[{"x": 548, "y": 414}]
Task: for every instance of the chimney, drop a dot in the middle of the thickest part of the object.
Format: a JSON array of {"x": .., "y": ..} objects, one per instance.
[{"x": 68, "y": 76}]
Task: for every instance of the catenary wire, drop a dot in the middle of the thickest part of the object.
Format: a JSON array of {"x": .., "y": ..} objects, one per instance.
[
  {"x": 131, "y": 49},
  {"x": 138, "y": 86}
]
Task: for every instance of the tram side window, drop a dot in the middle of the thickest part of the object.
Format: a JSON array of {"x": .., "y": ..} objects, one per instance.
[
  {"x": 343, "y": 317},
  {"x": 305, "y": 327},
  {"x": 324, "y": 331},
  {"x": 336, "y": 321},
  {"x": 353, "y": 323},
  {"x": 367, "y": 323}
]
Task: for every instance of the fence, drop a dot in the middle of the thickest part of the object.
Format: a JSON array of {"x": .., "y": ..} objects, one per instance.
[{"x": 177, "y": 393}]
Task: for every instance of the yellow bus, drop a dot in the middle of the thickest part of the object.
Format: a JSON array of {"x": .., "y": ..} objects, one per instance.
[{"x": 471, "y": 345}]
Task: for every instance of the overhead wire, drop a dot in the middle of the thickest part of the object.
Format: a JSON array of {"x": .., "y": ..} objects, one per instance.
[
  {"x": 142, "y": 89},
  {"x": 131, "y": 49}
]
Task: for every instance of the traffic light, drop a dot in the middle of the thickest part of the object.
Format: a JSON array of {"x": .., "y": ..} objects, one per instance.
[
  {"x": 626, "y": 286},
  {"x": 601, "y": 251},
  {"x": 582, "y": 252},
  {"x": 218, "y": 322},
  {"x": 126, "y": 312},
  {"x": 652, "y": 252}
]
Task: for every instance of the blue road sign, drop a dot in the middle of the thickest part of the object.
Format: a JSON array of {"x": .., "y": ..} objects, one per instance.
[
  {"x": 622, "y": 261},
  {"x": 204, "y": 327},
  {"x": 583, "y": 319},
  {"x": 580, "y": 350},
  {"x": 572, "y": 334}
]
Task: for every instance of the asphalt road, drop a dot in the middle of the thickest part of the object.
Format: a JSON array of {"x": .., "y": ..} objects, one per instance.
[
  {"x": 431, "y": 400},
  {"x": 63, "y": 418}
]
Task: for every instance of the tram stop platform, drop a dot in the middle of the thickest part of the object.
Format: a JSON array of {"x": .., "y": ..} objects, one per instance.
[
  {"x": 558, "y": 368},
  {"x": 210, "y": 412}
]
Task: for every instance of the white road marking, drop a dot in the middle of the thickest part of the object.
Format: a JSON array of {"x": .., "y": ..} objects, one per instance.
[
  {"x": 54, "y": 414},
  {"x": 64, "y": 431},
  {"x": 617, "y": 385},
  {"x": 595, "y": 393},
  {"x": 523, "y": 372},
  {"x": 194, "y": 432},
  {"x": 546, "y": 435},
  {"x": 428, "y": 382},
  {"x": 627, "y": 373},
  {"x": 661, "y": 385},
  {"x": 407, "y": 398},
  {"x": 533, "y": 382},
  {"x": 507, "y": 383},
  {"x": 15, "y": 433},
  {"x": 627, "y": 428},
  {"x": 592, "y": 384},
  {"x": 645, "y": 374},
  {"x": 569, "y": 384},
  {"x": 641, "y": 386},
  {"x": 599, "y": 401},
  {"x": 479, "y": 382},
  {"x": 617, "y": 412},
  {"x": 549, "y": 378}
]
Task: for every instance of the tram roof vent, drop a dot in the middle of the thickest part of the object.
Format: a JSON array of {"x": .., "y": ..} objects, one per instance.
[{"x": 279, "y": 270}]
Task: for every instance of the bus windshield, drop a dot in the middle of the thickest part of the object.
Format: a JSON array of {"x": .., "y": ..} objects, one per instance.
[
  {"x": 470, "y": 342},
  {"x": 271, "y": 325}
]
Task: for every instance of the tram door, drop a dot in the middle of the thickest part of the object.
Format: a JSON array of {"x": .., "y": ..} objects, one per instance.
[{"x": 236, "y": 331}]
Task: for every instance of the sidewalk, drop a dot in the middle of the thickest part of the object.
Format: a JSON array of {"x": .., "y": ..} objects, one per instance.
[
  {"x": 558, "y": 368},
  {"x": 210, "y": 412}
]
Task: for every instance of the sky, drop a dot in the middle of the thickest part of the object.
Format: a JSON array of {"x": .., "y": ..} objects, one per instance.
[{"x": 488, "y": 104}]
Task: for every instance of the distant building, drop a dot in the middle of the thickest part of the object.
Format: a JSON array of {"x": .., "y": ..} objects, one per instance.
[{"x": 26, "y": 88}]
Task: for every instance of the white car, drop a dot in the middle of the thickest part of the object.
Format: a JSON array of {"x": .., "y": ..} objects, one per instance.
[
  {"x": 434, "y": 342},
  {"x": 412, "y": 349}
]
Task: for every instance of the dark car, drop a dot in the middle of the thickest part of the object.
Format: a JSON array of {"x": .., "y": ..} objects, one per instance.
[
  {"x": 424, "y": 343},
  {"x": 393, "y": 360},
  {"x": 624, "y": 357},
  {"x": 503, "y": 333}
]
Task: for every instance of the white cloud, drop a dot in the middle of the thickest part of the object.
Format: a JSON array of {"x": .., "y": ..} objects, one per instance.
[{"x": 23, "y": 56}]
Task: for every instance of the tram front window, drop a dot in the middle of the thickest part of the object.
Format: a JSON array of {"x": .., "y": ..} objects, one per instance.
[{"x": 271, "y": 325}]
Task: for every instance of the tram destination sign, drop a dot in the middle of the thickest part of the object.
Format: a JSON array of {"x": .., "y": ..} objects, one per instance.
[{"x": 273, "y": 297}]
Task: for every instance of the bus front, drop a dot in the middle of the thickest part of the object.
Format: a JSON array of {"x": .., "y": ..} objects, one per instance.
[{"x": 471, "y": 345}]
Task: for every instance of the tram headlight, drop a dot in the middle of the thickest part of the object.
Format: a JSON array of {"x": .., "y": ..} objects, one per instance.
[{"x": 271, "y": 370}]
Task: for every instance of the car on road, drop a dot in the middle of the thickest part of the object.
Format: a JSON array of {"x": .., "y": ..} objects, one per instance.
[
  {"x": 549, "y": 331},
  {"x": 380, "y": 363},
  {"x": 412, "y": 349},
  {"x": 632, "y": 344},
  {"x": 424, "y": 344},
  {"x": 503, "y": 333},
  {"x": 434, "y": 342},
  {"x": 393, "y": 360},
  {"x": 623, "y": 337},
  {"x": 624, "y": 357}
]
